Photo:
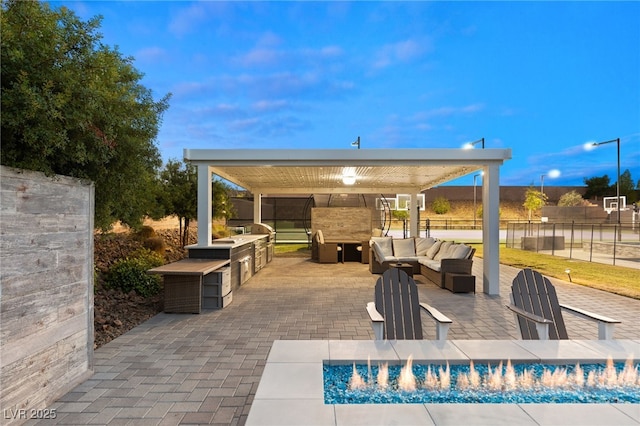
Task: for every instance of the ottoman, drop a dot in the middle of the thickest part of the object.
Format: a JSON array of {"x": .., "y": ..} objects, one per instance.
[{"x": 459, "y": 283}]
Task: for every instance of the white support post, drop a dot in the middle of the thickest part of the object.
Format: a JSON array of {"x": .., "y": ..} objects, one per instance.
[
  {"x": 413, "y": 215},
  {"x": 257, "y": 207},
  {"x": 205, "y": 209},
  {"x": 491, "y": 230}
]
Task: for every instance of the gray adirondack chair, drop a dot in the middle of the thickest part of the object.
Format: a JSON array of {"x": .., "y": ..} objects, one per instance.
[
  {"x": 395, "y": 314},
  {"x": 539, "y": 314}
]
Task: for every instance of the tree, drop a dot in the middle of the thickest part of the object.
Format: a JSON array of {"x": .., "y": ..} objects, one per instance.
[
  {"x": 627, "y": 188},
  {"x": 222, "y": 206},
  {"x": 534, "y": 200},
  {"x": 597, "y": 187},
  {"x": 74, "y": 106},
  {"x": 179, "y": 194}
]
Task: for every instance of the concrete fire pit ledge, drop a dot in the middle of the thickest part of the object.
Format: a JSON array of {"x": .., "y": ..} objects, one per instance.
[{"x": 291, "y": 388}]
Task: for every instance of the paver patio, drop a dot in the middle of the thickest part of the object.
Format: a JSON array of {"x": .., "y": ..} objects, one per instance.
[{"x": 205, "y": 369}]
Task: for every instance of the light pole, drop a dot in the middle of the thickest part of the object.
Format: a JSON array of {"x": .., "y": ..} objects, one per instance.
[
  {"x": 542, "y": 184},
  {"x": 470, "y": 145},
  {"x": 475, "y": 199},
  {"x": 617, "y": 141}
]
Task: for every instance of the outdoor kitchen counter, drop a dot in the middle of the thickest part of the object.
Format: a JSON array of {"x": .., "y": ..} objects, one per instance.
[
  {"x": 247, "y": 253},
  {"x": 193, "y": 284}
]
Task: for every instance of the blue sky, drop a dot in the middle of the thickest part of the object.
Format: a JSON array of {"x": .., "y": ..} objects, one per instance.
[{"x": 541, "y": 78}]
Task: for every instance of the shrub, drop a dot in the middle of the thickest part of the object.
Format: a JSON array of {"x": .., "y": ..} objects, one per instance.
[
  {"x": 440, "y": 205},
  {"x": 155, "y": 244},
  {"x": 572, "y": 199},
  {"x": 144, "y": 233},
  {"x": 131, "y": 273},
  {"x": 220, "y": 231}
]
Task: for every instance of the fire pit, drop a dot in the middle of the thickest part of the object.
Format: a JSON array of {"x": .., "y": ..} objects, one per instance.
[
  {"x": 519, "y": 383},
  {"x": 291, "y": 390}
]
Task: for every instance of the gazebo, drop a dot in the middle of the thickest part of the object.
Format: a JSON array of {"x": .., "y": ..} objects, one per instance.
[{"x": 361, "y": 171}]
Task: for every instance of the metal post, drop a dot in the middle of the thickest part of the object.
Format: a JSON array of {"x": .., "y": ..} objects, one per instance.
[
  {"x": 614, "y": 250},
  {"x": 573, "y": 222},
  {"x": 591, "y": 245}
]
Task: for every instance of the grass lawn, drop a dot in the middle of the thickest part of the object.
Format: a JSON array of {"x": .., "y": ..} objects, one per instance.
[
  {"x": 614, "y": 279},
  {"x": 292, "y": 250}
]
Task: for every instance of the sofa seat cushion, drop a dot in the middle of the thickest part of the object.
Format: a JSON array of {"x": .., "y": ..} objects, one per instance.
[
  {"x": 407, "y": 259},
  {"x": 390, "y": 259},
  {"x": 404, "y": 247},
  {"x": 429, "y": 263}
]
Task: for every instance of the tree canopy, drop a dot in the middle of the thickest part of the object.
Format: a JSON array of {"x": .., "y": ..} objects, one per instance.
[
  {"x": 601, "y": 187},
  {"x": 73, "y": 106},
  {"x": 534, "y": 200},
  {"x": 179, "y": 194},
  {"x": 597, "y": 187}
]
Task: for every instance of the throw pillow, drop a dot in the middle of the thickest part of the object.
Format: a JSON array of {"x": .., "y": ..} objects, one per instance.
[
  {"x": 433, "y": 250},
  {"x": 382, "y": 246},
  {"x": 460, "y": 251},
  {"x": 404, "y": 247},
  {"x": 424, "y": 244},
  {"x": 444, "y": 250}
]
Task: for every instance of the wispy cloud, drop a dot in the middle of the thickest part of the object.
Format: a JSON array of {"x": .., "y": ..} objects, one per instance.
[
  {"x": 189, "y": 19},
  {"x": 153, "y": 54},
  {"x": 271, "y": 105},
  {"x": 448, "y": 111},
  {"x": 280, "y": 85},
  {"x": 268, "y": 56},
  {"x": 401, "y": 52}
]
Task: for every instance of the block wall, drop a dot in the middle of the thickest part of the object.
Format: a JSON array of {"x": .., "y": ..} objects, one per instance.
[{"x": 46, "y": 290}]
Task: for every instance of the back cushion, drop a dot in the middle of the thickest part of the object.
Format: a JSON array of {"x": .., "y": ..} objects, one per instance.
[
  {"x": 404, "y": 247},
  {"x": 433, "y": 250},
  {"x": 424, "y": 244},
  {"x": 459, "y": 251},
  {"x": 382, "y": 246},
  {"x": 444, "y": 250}
]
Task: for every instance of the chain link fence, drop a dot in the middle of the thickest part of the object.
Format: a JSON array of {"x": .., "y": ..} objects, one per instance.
[{"x": 595, "y": 242}]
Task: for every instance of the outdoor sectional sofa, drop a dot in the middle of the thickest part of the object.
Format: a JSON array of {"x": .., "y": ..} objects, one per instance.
[{"x": 429, "y": 257}]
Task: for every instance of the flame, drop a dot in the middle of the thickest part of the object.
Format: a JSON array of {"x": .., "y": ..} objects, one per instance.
[
  {"x": 496, "y": 380},
  {"x": 383, "y": 375},
  {"x": 445, "y": 378},
  {"x": 430, "y": 379},
  {"x": 407, "y": 381},
  {"x": 578, "y": 376},
  {"x": 474, "y": 376},
  {"x": 356, "y": 381},
  {"x": 510, "y": 379}
]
